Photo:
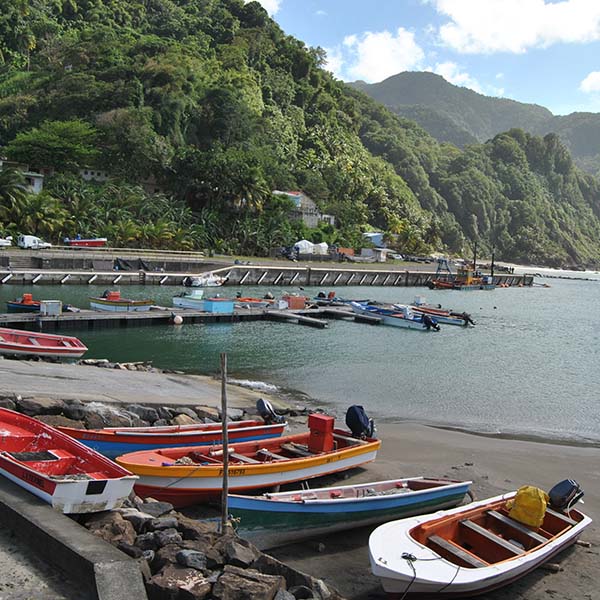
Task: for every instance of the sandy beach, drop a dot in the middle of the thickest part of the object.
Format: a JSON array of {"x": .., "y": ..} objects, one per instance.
[{"x": 494, "y": 465}]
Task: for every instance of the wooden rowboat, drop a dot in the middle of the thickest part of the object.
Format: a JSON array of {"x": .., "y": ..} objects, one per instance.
[
  {"x": 190, "y": 475},
  {"x": 113, "y": 442},
  {"x": 19, "y": 342},
  {"x": 468, "y": 550},
  {"x": 113, "y": 302},
  {"x": 271, "y": 520},
  {"x": 58, "y": 469}
]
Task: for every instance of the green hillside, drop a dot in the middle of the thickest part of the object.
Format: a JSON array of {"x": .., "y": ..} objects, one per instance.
[{"x": 210, "y": 102}]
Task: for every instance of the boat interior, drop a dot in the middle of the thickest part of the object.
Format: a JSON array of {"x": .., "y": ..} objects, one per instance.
[
  {"x": 380, "y": 488},
  {"x": 479, "y": 538}
]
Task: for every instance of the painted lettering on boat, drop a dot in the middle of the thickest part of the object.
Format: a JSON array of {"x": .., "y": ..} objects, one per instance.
[
  {"x": 37, "y": 481},
  {"x": 234, "y": 471}
]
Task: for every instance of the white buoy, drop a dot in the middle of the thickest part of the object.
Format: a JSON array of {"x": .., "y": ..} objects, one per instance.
[{"x": 177, "y": 320}]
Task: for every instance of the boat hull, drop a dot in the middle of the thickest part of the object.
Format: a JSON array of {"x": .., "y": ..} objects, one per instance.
[
  {"x": 388, "y": 319},
  {"x": 181, "y": 302},
  {"x": 87, "y": 243},
  {"x": 113, "y": 443},
  {"x": 436, "y": 576},
  {"x": 19, "y": 307},
  {"x": 27, "y": 343},
  {"x": 268, "y": 523},
  {"x": 120, "y": 305}
]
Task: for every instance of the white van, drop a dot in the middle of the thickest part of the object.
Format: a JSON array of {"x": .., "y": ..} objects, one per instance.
[{"x": 32, "y": 242}]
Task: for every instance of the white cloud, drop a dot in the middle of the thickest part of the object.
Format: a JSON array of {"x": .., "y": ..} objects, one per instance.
[
  {"x": 373, "y": 56},
  {"x": 451, "y": 72},
  {"x": 591, "y": 83},
  {"x": 335, "y": 61},
  {"x": 271, "y": 6},
  {"x": 489, "y": 26},
  {"x": 321, "y": 13}
]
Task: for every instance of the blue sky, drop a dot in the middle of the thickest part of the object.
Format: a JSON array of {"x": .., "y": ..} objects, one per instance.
[{"x": 539, "y": 51}]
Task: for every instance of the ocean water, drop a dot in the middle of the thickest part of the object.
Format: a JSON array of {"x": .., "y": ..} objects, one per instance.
[{"x": 530, "y": 366}]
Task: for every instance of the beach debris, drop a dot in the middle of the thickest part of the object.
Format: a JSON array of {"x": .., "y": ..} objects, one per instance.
[
  {"x": 552, "y": 567},
  {"x": 584, "y": 543}
]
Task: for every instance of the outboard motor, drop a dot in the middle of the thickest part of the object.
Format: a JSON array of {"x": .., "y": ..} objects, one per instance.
[
  {"x": 430, "y": 323},
  {"x": 565, "y": 494},
  {"x": 359, "y": 423},
  {"x": 267, "y": 412}
]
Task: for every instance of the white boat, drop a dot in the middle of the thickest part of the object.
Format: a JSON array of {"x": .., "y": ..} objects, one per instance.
[
  {"x": 467, "y": 551},
  {"x": 112, "y": 302},
  {"x": 191, "y": 299},
  {"x": 397, "y": 316},
  {"x": 205, "y": 280}
]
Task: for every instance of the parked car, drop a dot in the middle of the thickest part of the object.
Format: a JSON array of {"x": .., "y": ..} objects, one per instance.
[
  {"x": 32, "y": 242},
  {"x": 395, "y": 256},
  {"x": 6, "y": 242}
]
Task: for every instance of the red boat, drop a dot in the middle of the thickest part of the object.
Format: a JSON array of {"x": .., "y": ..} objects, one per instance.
[
  {"x": 17, "y": 341},
  {"x": 86, "y": 242},
  {"x": 58, "y": 469}
]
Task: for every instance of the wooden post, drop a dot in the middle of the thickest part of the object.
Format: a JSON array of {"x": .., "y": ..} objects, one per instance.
[{"x": 224, "y": 507}]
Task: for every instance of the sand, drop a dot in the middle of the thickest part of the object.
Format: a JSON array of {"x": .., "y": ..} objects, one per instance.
[{"x": 495, "y": 466}]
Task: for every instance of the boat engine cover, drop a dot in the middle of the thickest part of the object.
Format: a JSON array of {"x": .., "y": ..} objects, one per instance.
[{"x": 565, "y": 494}]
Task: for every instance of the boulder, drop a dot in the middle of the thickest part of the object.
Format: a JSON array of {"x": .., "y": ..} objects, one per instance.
[
  {"x": 164, "y": 412},
  {"x": 301, "y": 592},
  {"x": 143, "y": 412},
  {"x": 267, "y": 564},
  {"x": 162, "y": 523},
  {"x": 156, "y": 508},
  {"x": 239, "y": 555},
  {"x": 164, "y": 556},
  {"x": 93, "y": 420},
  {"x": 147, "y": 541},
  {"x": 40, "y": 406},
  {"x": 111, "y": 526},
  {"x": 60, "y": 421},
  {"x": 8, "y": 403},
  {"x": 178, "y": 583},
  {"x": 138, "y": 519},
  {"x": 234, "y": 414},
  {"x": 207, "y": 412},
  {"x": 184, "y": 420},
  {"x": 74, "y": 409},
  {"x": 284, "y": 595},
  {"x": 184, "y": 410},
  {"x": 167, "y": 536},
  {"x": 161, "y": 423},
  {"x": 130, "y": 550},
  {"x": 246, "y": 584},
  {"x": 192, "y": 529},
  {"x": 192, "y": 559}
]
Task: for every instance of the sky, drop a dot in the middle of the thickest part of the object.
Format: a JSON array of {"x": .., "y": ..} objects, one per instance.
[{"x": 537, "y": 51}]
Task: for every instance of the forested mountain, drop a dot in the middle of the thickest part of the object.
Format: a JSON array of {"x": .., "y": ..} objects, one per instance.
[
  {"x": 461, "y": 116},
  {"x": 213, "y": 102}
]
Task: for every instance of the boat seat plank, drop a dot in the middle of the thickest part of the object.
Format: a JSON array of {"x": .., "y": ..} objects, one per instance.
[
  {"x": 492, "y": 537},
  {"x": 457, "y": 552},
  {"x": 33, "y": 341},
  {"x": 269, "y": 454},
  {"x": 561, "y": 516},
  {"x": 296, "y": 449},
  {"x": 349, "y": 440},
  {"x": 517, "y": 526},
  {"x": 242, "y": 458}
]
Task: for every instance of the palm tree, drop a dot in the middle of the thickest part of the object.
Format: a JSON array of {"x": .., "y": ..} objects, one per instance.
[{"x": 13, "y": 195}]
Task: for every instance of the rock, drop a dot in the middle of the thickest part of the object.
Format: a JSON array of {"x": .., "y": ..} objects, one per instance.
[
  {"x": 93, "y": 420},
  {"x": 60, "y": 421},
  {"x": 143, "y": 412},
  {"x": 234, "y": 414},
  {"x": 148, "y": 555},
  {"x": 8, "y": 403},
  {"x": 130, "y": 550},
  {"x": 164, "y": 556},
  {"x": 192, "y": 559},
  {"x": 138, "y": 519},
  {"x": 94, "y": 362},
  {"x": 207, "y": 412},
  {"x": 74, "y": 409},
  {"x": 184, "y": 410},
  {"x": 167, "y": 536},
  {"x": 147, "y": 541},
  {"x": 301, "y": 592},
  {"x": 161, "y": 423},
  {"x": 178, "y": 583},
  {"x": 192, "y": 529},
  {"x": 156, "y": 508},
  {"x": 246, "y": 584},
  {"x": 164, "y": 412},
  {"x": 111, "y": 526},
  {"x": 240, "y": 556},
  {"x": 145, "y": 568},
  {"x": 284, "y": 595},
  {"x": 184, "y": 420},
  {"x": 40, "y": 406},
  {"x": 162, "y": 523},
  {"x": 267, "y": 564}
]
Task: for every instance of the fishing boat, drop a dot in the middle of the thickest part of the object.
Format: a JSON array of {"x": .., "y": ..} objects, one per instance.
[
  {"x": 111, "y": 301},
  {"x": 189, "y": 475},
  {"x": 79, "y": 242},
  {"x": 396, "y": 315},
  {"x": 205, "y": 280},
  {"x": 445, "y": 316},
  {"x": 114, "y": 441},
  {"x": 466, "y": 278},
  {"x": 19, "y": 342},
  {"x": 468, "y": 550},
  {"x": 246, "y": 302},
  {"x": 58, "y": 469},
  {"x": 271, "y": 520},
  {"x": 190, "y": 299},
  {"x": 24, "y": 304}
]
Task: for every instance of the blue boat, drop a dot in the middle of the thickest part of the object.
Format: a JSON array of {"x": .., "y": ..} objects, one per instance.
[
  {"x": 396, "y": 315},
  {"x": 272, "y": 520}
]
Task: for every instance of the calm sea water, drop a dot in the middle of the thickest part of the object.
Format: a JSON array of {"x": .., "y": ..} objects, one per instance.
[{"x": 529, "y": 366}]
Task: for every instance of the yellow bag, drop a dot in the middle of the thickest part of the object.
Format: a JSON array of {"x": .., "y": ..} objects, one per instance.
[{"x": 528, "y": 506}]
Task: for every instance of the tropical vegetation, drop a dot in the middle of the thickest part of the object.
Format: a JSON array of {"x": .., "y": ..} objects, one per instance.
[{"x": 211, "y": 104}]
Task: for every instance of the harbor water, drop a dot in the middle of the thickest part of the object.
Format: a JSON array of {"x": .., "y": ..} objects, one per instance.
[{"x": 528, "y": 368}]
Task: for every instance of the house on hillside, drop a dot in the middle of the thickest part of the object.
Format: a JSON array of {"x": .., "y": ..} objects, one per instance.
[
  {"x": 34, "y": 181},
  {"x": 305, "y": 209}
]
